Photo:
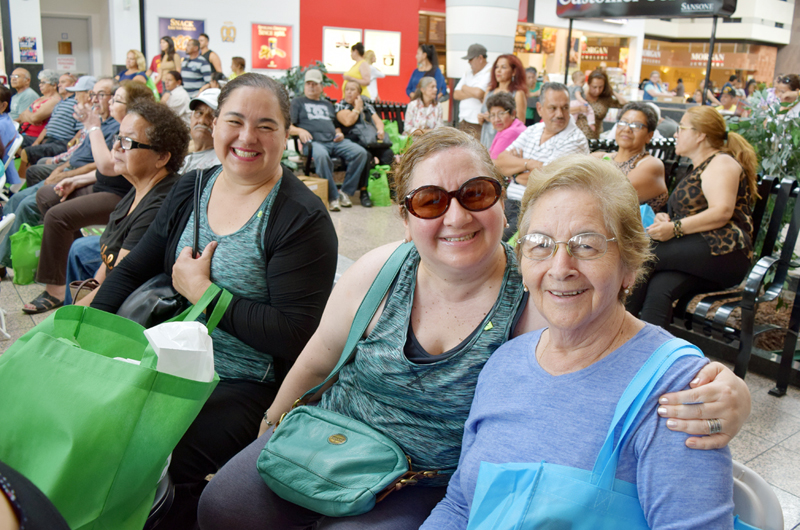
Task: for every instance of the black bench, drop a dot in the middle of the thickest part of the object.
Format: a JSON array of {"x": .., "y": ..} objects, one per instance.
[
  {"x": 765, "y": 282},
  {"x": 392, "y": 111},
  {"x": 663, "y": 149}
]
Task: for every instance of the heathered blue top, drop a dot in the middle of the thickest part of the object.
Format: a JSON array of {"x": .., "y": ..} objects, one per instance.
[{"x": 521, "y": 413}]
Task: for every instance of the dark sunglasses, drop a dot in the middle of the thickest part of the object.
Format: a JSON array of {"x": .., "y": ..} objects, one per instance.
[{"x": 476, "y": 194}]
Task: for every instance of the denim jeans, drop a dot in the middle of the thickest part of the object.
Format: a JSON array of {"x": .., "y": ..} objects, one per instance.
[
  {"x": 354, "y": 156},
  {"x": 83, "y": 262},
  {"x": 23, "y": 205}
]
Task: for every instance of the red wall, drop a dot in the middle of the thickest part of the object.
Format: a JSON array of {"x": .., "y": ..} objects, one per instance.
[{"x": 365, "y": 14}]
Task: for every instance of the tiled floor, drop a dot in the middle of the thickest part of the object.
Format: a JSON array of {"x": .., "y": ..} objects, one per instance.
[{"x": 767, "y": 444}]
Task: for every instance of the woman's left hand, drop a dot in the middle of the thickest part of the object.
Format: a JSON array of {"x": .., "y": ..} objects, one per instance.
[
  {"x": 192, "y": 276},
  {"x": 661, "y": 231},
  {"x": 715, "y": 394}
]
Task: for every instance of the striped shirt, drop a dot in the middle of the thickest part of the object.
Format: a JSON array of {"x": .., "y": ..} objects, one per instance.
[
  {"x": 422, "y": 407},
  {"x": 195, "y": 73},
  {"x": 62, "y": 126},
  {"x": 570, "y": 141}
]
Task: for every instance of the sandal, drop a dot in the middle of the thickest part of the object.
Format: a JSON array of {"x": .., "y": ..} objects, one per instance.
[{"x": 42, "y": 303}]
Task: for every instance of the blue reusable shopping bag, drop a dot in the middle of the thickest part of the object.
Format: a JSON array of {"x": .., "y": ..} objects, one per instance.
[
  {"x": 524, "y": 495},
  {"x": 648, "y": 215}
]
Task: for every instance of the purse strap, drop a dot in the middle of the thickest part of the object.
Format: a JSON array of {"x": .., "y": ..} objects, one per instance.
[
  {"x": 369, "y": 305},
  {"x": 630, "y": 404},
  {"x": 198, "y": 192}
]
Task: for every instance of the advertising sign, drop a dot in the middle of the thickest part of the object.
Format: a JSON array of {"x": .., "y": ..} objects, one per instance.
[
  {"x": 181, "y": 30},
  {"x": 644, "y": 8},
  {"x": 27, "y": 50},
  {"x": 272, "y": 47},
  {"x": 386, "y": 45},
  {"x": 336, "y": 43}
]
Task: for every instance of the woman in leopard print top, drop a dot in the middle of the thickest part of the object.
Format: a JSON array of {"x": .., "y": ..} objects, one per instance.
[{"x": 705, "y": 242}]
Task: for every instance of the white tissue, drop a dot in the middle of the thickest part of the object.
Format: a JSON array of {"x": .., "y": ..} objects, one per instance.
[{"x": 183, "y": 349}]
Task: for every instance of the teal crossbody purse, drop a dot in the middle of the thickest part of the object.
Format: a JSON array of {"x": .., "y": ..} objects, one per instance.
[{"x": 330, "y": 463}]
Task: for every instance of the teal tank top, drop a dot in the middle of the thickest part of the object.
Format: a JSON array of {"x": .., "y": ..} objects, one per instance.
[
  {"x": 240, "y": 266},
  {"x": 422, "y": 407}
]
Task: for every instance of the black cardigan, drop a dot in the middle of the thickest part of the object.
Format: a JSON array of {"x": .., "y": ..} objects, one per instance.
[{"x": 301, "y": 250}]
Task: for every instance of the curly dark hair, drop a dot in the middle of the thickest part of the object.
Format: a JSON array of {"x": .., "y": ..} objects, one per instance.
[
  {"x": 503, "y": 100},
  {"x": 257, "y": 81},
  {"x": 167, "y": 132}
]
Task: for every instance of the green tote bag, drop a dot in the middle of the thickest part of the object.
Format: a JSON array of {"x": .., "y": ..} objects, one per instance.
[
  {"x": 93, "y": 432},
  {"x": 25, "y": 247}
]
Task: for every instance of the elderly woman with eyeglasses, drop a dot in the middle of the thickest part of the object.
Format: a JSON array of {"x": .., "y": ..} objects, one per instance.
[
  {"x": 550, "y": 395},
  {"x": 634, "y": 131},
  {"x": 82, "y": 200},
  {"x": 34, "y": 119},
  {"x": 503, "y": 117},
  {"x": 458, "y": 296}
]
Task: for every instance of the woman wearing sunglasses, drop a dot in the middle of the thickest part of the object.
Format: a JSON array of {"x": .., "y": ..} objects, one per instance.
[
  {"x": 634, "y": 131},
  {"x": 457, "y": 298}
]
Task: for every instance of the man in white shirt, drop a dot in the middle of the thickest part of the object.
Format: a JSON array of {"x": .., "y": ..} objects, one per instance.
[
  {"x": 555, "y": 136},
  {"x": 203, "y": 155},
  {"x": 471, "y": 90}
]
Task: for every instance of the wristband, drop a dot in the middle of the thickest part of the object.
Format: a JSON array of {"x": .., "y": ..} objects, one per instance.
[
  {"x": 526, "y": 166},
  {"x": 269, "y": 423},
  {"x": 90, "y": 131},
  {"x": 677, "y": 230}
]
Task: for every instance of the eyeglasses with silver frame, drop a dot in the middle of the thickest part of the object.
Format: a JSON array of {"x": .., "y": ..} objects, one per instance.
[{"x": 586, "y": 246}]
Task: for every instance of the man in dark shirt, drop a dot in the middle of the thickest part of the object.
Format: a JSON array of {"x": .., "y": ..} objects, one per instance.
[
  {"x": 210, "y": 55},
  {"x": 313, "y": 121}
]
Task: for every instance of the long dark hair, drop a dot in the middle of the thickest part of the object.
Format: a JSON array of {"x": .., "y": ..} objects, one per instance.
[
  {"x": 518, "y": 80},
  {"x": 607, "y": 91},
  {"x": 170, "y": 53},
  {"x": 430, "y": 53}
]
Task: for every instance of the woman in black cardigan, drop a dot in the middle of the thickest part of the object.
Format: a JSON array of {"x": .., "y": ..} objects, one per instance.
[{"x": 267, "y": 239}]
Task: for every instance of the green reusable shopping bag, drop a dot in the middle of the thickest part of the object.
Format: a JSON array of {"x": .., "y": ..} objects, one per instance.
[
  {"x": 25, "y": 247},
  {"x": 92, "y": 432},
  {"x": 393, "y": 132},
  {"x": 378, "y": 186}
]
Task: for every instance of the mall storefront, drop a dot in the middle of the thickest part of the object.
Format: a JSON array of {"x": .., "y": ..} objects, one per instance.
[{"x": 687, "y": 61}]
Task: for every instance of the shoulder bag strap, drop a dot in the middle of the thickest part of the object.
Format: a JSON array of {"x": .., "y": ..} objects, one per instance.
[
  {"x": 198, "y": 192},
  {"x": 631, "y": 402},
  {"x": 369, "y": 305}
]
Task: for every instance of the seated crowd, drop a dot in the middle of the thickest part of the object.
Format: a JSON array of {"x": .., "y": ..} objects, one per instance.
[{"x": 465, "y": 306}]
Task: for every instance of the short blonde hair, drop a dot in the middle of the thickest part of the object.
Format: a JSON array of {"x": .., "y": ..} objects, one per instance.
[
  {"x": 369, "y": 56},
  {"x": 615, "y": 194},
  {"x": 436, "y": 141},
  {"x": 141, "y": 63}
]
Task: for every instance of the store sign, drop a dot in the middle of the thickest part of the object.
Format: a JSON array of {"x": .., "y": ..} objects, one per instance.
[
  {"x": 272, "y": 47},
  {"x": 701, "y": 59},
  {"x": 182, "y": 30},
  {"x": 600, "y": 53},
  {"x": 644, "y": 8},
  {"x": 228, "y": 32}
]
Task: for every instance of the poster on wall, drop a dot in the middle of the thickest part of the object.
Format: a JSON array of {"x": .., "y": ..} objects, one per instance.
[
  {"x": 181, "y": 30},
  {"x": 27, "y": 50},
  {"x": 386, "y": 45},
  {"x": 272, "y": 47},
  {"x": 336, "y": 43}
]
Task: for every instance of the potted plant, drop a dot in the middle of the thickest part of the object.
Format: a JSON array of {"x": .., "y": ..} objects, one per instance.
[
  {"x": 293, "y": 80},
  {"x": 775, "y": 138}
]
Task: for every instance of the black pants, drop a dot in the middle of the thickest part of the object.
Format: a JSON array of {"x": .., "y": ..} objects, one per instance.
[
  {"x": 50, "y": 147},
  {"x": 227, "y": 423},
  {"x": 683, "y": 266}
]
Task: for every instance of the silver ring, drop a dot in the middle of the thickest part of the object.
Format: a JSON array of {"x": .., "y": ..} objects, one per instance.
[{"x": 714, "y": 426}]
